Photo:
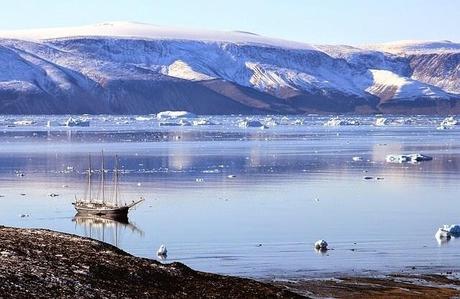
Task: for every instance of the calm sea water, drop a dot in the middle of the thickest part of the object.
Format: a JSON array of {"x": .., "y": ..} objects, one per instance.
[{"x": 289, "y": 185}]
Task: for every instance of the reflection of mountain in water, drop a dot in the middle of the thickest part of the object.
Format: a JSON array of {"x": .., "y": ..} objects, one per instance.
[{"x": 106, "y": 230}]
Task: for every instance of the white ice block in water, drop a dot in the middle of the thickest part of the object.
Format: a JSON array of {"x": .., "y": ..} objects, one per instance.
[
  {"x": 382, "y": 121},
  {"x": 251, "y": 124},
  {"x": 75, "y": 122},
  {"x": 180, "y": 123},
  {"x": 407, "y": 158},
  {"x": 321, "y": 245},
  {"x": 175, "y": 114},
  {"x": 24, "y": 122},
  {"x": 449, "y": 122},
  {"x": 203, "y": 122},
  {"x": 162, "y": 251},
  {"x": 336, "y": 122}
]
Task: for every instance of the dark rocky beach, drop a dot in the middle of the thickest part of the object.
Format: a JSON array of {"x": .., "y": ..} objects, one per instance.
[{"x": 41, "y": 263}]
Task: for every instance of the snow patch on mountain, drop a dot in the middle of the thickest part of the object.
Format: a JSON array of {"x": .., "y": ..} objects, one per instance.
[
  {"x": 410, "y": 47},
  {"x": 182, "y": 70},
  {"x": 388, "y": 85}
]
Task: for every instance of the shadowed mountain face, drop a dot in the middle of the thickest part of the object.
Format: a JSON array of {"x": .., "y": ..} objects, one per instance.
[{"x": 244, "y": 73}]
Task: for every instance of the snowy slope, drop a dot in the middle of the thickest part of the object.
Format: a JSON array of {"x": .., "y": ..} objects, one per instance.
[
  {"x": 124, "y": 67},
  {"x": 411, "y": 47},
  {"x": 136, "y": 30}
]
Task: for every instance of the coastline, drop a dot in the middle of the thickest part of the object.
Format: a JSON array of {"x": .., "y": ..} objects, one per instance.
[{"x": 45, "y": 263}]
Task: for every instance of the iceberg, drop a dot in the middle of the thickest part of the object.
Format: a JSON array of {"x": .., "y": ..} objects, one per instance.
[
  {"x": 24, "y": 122},
  {"x": 251, "y": 124},
  {"x": 175, "y": 114},
  {"x": 412, "y": 158},
  {"x": 382, "y": 121},
  {"x": 75, "y": 122},
  {"x": 448, "y": 231},
  {"x": 447, "y": 123},
  {"x": 203, "y": 122},
  {"x": 336, "y": 122},
  {"x": 180, "y": 123},
  {"x": 143, "y": 118},
  {"x": 321, "y": 245}
]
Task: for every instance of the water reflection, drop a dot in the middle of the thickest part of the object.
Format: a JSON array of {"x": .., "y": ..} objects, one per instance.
[{"x": 107, "y": 230}]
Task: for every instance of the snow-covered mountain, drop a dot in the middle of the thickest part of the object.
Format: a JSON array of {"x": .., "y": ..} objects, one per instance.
[{"x": 126, "y": 67}]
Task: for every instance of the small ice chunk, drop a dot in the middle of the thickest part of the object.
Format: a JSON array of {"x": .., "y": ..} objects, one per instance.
[
  {"x": 321, "y": 245},
  {"x": 203, "y": 122},
  {"x": 180, "y": 123},
  {"x": 382, "y": 121},
  {"x": 448, "y": 122},
  {"x": 336, "y": 122},
  {"x": 251, "y": 124},
  {"x": 24, "y": 122},
  {"x": 162, "y": 251},
  {"x": 76, "y": 122},
  {"x": 448, "y": 231},
  {"x": 407, "y": 158},
  {"x": 143, "y": 118},
  {"x": 175, "y": 114}
]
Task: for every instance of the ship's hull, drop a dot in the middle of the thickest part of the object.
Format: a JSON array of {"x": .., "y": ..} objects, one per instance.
[{"x": 113, "y": 213}]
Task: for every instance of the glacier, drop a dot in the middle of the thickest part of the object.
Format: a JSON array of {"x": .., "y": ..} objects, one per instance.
[{"x": 135, "y": 68}]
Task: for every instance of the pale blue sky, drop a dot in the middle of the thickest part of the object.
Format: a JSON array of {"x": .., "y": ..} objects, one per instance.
[{"x": 312, "y": 21}]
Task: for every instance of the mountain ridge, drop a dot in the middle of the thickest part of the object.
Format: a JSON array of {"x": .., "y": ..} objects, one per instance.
[{"x": 134, "y": 68}]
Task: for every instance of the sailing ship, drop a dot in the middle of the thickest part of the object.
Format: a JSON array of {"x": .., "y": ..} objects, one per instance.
[{"x": 101, "y": 205}]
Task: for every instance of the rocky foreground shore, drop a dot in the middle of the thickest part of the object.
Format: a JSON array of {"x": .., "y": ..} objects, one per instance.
[{"x": 37, "y": 263}]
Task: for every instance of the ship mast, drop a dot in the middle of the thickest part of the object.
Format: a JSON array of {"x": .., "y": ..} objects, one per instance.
[
  {"x": 102, "y": 179},
  {"x": 116, "y": 181},
  {"x": 89, "y": 179}
]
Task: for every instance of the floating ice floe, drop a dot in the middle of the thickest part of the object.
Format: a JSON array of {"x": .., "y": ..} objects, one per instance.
[
  {"x": 336, "y": 122},
  {"x": 446, "y": 232},
  {"x": 203, "y": 122},
  {"x": 76, "y": 122},
  {"x": 382, "y": 121},
  {"x": 297, "y": 122},
  {"x": 447, "y": 123},
  {"x": 412, "y": 158},
  {"x": 175, "y": 114},
  {"x": 321, "y": 245},
  {"x": 251, "y": 124},
  {"x": 143, "y": 118},
  {"x": 24, "y": 122},
  {"x": 162, "y": 251},
  {"x": 180, "y": 123}
]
